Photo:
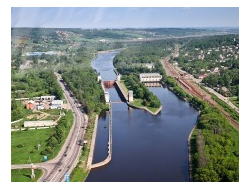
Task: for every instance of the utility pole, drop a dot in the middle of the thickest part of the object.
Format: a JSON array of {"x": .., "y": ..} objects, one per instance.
[{"x": 32, "y": 171}]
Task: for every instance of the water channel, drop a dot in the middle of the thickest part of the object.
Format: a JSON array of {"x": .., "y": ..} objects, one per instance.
[{"x": 146, "y": 148}]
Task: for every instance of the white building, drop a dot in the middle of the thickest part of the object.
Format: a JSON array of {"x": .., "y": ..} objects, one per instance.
[
  {"x": 130, "y": 96},
  {"x": 150, "y": 77},
  {"x": 47, "y": 98},
  {"x": 57, "y": 102},
  {"x": 107, "y": 97},
  {"x": 39, "y": 123}
]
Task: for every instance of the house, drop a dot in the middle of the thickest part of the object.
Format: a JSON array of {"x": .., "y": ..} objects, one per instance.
[
  {"x": 203, "y": 76},
  {"x": 30, "y": 105},
  {"x": 215, "y": 70}
]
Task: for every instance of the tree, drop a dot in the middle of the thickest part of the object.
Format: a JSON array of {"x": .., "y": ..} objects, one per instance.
[{"x": 52, "y": 142}]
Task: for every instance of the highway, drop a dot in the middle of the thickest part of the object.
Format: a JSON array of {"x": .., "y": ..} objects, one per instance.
[{"x": 55, "y": 169}]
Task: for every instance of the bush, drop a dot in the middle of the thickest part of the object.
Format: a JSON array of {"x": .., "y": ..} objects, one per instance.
[
  {"x": 43, "y": 152},
  {"x": 19, "y": 145}
]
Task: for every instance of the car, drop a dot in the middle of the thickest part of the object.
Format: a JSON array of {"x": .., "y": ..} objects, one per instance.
[
  {"x": 60, "y": 170},
  {"x": 44, "y": 180},
  {"x": 65, "y": 154}
]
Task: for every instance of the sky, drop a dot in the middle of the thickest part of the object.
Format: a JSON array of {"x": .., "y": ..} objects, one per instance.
[{"x": 124, "y": 17}]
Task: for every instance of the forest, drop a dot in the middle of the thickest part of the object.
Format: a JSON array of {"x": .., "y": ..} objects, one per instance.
[
  {"x": 141, "y": 91},
  {"x": 34, "y": 84},
  {"x": 215, "y": 147},
  {"x": 83, "y": 84}
]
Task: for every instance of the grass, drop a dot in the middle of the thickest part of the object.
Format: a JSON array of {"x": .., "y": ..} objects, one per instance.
[
  {"x": 124, "y": 87},
  {"x": 234, "y": 135},
  {"x": 23, "y": 175},
  {"x": 80, "y": 172},
  {"x": 30, "y": 139},
  {"x": 53, "y": 112},
  {"x": 235, "y": 101},
  {"x": 227, "y": 108},
  {"x": 138, "y": 103}
]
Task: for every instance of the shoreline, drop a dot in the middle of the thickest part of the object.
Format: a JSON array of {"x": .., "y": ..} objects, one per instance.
[
  {"x": 92, "y": 146},
  {"x": 146, "y": 109},
  {"x": 190, "y": 165}
]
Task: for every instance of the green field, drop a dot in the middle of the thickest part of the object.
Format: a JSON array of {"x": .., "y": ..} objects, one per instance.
[
  {"x": 29, "y": 140},
  {"x": 23, "y": 175}
]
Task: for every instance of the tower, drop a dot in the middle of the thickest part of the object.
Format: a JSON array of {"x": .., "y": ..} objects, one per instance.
[
  {"x": 106, "y": 94},
  {"x": 130, "y": 96},
  {"x": 99, "y": 78},
  {"x": 118, "y": 78},
  {"x": 32, "y": 171}
]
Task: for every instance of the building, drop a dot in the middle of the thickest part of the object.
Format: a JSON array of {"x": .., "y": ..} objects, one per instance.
[
  {"x": 130, "y": 96},
  {"x": 47, "y": 98},
  {"x": 40, "y": 107},
  {"x": 39, "y": 123},
  {"x": 150, "y": 77},
  {"x": 55, "y": 106},
  {"x": 149, "y": 65},
  {"x": 203, "y": 76},
  {"x": 118, "y": 77},
  {"x": 30, "y": 105},
  {"x": 57, "y": 102},
  {"x": 107, "y": 97}
]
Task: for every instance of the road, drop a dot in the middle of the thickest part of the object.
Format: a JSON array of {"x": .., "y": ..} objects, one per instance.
[
  {"x": 55, "y": 169},
  {"x": 223, "y": 98}
]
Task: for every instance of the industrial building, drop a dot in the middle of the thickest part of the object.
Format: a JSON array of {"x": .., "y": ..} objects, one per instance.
[
  {"x": 56, "y": 104},
  {"x": 39, "y": 123},
  {"x": 47, "y": 98},
  {"x": 150, "y": 77}
]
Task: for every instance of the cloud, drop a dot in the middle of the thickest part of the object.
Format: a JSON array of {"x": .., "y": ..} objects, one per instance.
[
  {"x": 186, "y": 8},
  {"x": 99, "y": 15}
]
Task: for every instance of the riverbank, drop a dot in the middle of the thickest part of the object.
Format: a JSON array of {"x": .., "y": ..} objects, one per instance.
[
  {"x": 190, "y": 162},
  {"x": 81, "y": 171},
  {"x": 155, "y": 111},
  {"x": 92, "y": 146},
  {"x": 137, "y": 103},
  {"x": 108, "y": 159}
]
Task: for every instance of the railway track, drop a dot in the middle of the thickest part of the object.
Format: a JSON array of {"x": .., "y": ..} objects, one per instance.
[{"x": 195, "y": 90}]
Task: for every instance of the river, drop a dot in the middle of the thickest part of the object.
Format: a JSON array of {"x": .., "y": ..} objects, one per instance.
[{"x": 146, "y": 148}]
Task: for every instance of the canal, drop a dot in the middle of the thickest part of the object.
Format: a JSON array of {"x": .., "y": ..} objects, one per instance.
[{"x": 146, "y": 148}]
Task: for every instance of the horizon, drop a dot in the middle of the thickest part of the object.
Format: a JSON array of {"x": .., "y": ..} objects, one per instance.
[
  {"x": 208, "y": 27},
  {"x": 124, "y": 17}
]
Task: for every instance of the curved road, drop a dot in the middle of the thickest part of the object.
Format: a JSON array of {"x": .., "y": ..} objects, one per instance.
[{"x": 55, "y": 169}]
